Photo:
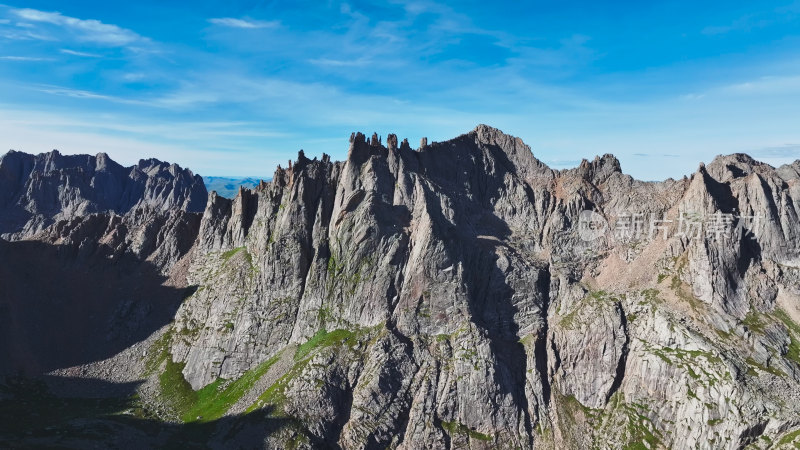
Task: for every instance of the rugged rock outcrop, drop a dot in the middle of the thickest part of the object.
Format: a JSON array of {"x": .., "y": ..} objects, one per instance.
[
  {"x": 38, "y": 190},
  {"x": 465, "y": 295}
]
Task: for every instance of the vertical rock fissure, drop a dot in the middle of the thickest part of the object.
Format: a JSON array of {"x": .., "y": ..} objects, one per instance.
[
  {"x": 540, "y": 348},
  {"x": 345, "y": 414},
  {"x": 404, "y": 416},
  {"x": 623, "y": 358},
  {"x": 400, "y": 278}
]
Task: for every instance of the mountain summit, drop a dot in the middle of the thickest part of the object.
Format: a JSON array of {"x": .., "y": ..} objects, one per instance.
[{"x": 457, "y": 295}]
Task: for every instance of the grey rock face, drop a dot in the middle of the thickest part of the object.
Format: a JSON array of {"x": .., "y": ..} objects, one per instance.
[
  {"x": 512, "y": 330},
  {"x": 448, "y": 297},
  {"x": 39, "y": 190}
]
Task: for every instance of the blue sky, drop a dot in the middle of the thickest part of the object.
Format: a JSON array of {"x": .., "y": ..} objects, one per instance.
[{"x": 235, "y": 89}]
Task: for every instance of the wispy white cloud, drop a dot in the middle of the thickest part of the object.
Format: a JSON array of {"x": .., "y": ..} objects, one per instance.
[
  {"x": 86, "y": 95},
  {"x": 67, "y": 51},
  {"x": 760, "y": 86},
  {"x": 243, "y": 23},
  {"x": 562, "y": 163},
  {"x": 766, "y": 85},
  {"x": 24, "y": 58},
  {"x": 180, "y": 130},
  {"x": 776, "y": 155},
  {"x": 208, "y": 148},
  {"x": 781, "y": 151},
  {"x": 747, "y": 22},
  {"x": 692, "y": 96},
  {"x": 427, "y": 70},
  {"x": 358, "y": 62},
  {"x": 653, "y": 155},
  {"x": 87, "y": 30},
  {"x": 25, "y": 35},
  {"x": 570, "y": 51},
  {"x": 134, "y": 77}
]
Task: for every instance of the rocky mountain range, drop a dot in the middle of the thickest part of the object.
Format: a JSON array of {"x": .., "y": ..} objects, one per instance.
[{"x": 457, "y": 295}]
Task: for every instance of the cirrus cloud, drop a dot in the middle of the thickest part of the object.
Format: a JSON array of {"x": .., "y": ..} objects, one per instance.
[
  {"x": 87, "y": 30},
  {"x": 243, "y": 23},
  {"x": 67, "y": 51},
  {"x": 24, "y": 58}
]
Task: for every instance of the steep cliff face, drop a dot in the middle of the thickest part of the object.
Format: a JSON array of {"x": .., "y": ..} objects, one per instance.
[
  {"x": 37, "y": 191},
  {"x": 87, "y": 268},
  {"x": 456, "y": 295},
  {"x": 475, "y": 313}
]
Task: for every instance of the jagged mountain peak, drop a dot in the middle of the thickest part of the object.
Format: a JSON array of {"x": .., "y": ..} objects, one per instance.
[
  {"x": 485, "y": 148},
  {"x": 489, "y": 134},
  {"x": 600, "y": 169},
  {"x": 39, "y": 190},
  {"x": 790, "y": 171},
  {"x": 726, "y": 168}
]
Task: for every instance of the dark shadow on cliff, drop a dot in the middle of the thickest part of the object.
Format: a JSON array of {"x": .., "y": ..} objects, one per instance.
[
  {"x": 32, "y": 417},
  {"x": 477, "y": 240},
  {"x": 62, "y": 306},
  {"x": 493, "y": 307}
]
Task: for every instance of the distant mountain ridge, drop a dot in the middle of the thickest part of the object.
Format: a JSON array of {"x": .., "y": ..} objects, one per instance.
[
  {"x": 38, "y": 190},
  {"x": 228, "y": 187}
]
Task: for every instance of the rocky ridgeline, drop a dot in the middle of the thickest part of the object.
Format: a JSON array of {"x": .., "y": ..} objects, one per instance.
[
  {"x": 37, "y": 191},
  {"x": 448, "y": 297}
]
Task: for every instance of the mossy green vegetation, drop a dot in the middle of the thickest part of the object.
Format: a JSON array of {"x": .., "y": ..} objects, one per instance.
[
  {"x": 690, "y": 360},
  {"x": 774, "y": 371},
  {"x": 651, "y": 296},
  {"x": 470, "y": 356},
  {"x": 639, "y": 432},
  {"x": 158, "y": 352},
  {"x": 754, "y": 322},
  {"x": 275, "y": 395},
  {"x": 681, "y": 291},
  {"x": 337, "y": 273},
  {"x": 212, "y": 401},
  {"x": 596, "y": 299},
  {"x": 459, "y": 428},
  {"x": 573, "y": 405},
  {"x": 33, "y": 417},
  {"x": 640, "y": 436},
  {"x": 246, "y": 256},
  {"x": 793, "y": 352},
  {"x": 334, "y": 267},
  {"x": 793, "y": 437},
  {"x": 174, "y": 389},
  {"x": 228, "y": 254},
  {"x": 757, "y": 323},
  {"x": 678, "y": 287},
  {"x": 323, "y": 338},
  {"x": 621, "y": 421}
]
